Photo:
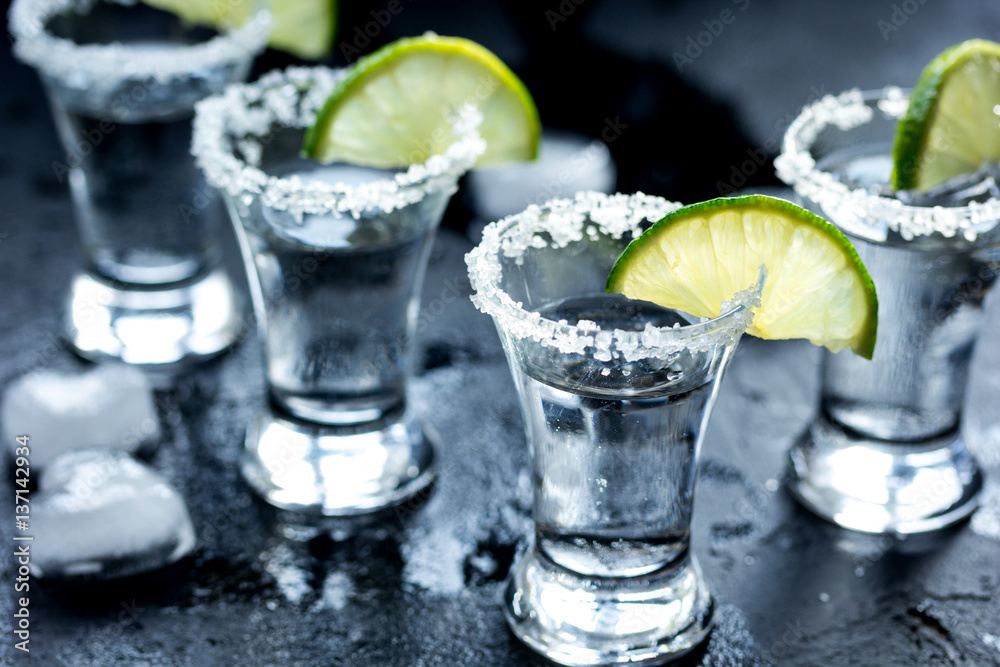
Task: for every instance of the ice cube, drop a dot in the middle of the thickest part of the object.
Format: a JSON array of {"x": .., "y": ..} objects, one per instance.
[
  {"x": 100, "y": 513},
  {"x": 566, "y": 163},
  {"x": 110, "y": 406}
]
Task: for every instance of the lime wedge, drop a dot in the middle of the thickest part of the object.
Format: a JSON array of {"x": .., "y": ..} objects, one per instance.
[
  {"x": 392, "y": 109},
  {"x": 701, "y": 255},
  {"x": 952, "y": 125},
  {"x": 304, "y": 28}
]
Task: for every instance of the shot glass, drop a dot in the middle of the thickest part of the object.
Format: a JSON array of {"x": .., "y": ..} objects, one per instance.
[
  {"x": 886, "y": 453},
  {"x": 122, "y": 80},
  {"x": 336, "y": 256},
  {"x": 615, "y": 396}
]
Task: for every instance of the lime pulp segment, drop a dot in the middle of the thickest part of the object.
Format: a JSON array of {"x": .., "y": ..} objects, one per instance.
[
  {"x": 952, "y": 124},
  {"x": 393, "y": 107},
  {"x": 699, "y": 256},
  {"x": 304, "y": 28}
]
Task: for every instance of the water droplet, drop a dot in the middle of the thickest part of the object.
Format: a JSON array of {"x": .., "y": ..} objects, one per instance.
[
  {"x": 859, "y": 571},
  {"x": 824, "y": 597},
  {"x": 749, "y": 560},
  {"x": 990, "y": 640},
  {"x": 771, "y": 485}
]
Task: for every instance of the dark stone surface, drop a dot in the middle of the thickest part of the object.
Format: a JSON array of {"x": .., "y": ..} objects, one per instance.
[{"x": 421, "y": 585}]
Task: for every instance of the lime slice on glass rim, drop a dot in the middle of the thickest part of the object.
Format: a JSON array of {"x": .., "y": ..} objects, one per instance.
[
  {"x": 701, "y": 255},
  {"x": 952, "y": 124},
  {"x": 392, "y": 108},
  {"x": 303, "y": 28}
]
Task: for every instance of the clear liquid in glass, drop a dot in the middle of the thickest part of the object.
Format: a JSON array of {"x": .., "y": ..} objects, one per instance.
[
  {"x": 340, "y": 298},
  {"x": 930, "y": 307},
  {"x": 122, "y": 84},
  {"x": 614, "y": 447},
  {"x": 143, "y": 206}
]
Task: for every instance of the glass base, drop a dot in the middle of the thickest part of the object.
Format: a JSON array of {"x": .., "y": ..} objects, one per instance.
[
  {"x": 150, "y": 326},
  {"x": 876, "y": 486},
  {"x": 573, "y": 619},
  {"x": 336, "y": 471}
]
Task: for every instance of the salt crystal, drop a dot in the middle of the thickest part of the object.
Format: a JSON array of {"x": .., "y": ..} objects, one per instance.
[
  {"x": 561, "y": 222},
  {"x": 245, "y": 114},
  {"x": 857, "y": 210},
  {"x": 106, "y": 66}
]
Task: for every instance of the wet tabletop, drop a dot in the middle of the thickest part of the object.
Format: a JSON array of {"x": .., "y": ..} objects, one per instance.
[{"x": 421, "y": 585}]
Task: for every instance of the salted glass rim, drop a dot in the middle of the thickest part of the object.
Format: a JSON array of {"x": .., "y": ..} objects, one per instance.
[
  {"x": 857, "y": 209},
  {"x": 244, "y": 113},
  {"x": 565, "y": 221},
  {"x": 64, "y": 59}
]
